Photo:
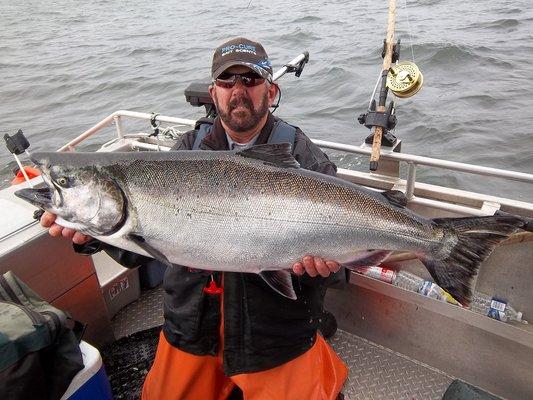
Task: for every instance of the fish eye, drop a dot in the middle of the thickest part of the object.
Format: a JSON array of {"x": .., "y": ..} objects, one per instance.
[{"x": 62, "y": 181}]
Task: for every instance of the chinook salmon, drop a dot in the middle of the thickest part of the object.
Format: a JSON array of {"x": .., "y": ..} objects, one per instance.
[{"x": 253, "y": 211}]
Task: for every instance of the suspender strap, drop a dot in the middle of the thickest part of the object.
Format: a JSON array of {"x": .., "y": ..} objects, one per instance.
[
  {"x": 203, "y": 131},
  {"x": 283, "y": 133}
]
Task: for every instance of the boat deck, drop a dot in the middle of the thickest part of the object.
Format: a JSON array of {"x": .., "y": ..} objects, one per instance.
[{"x": 376, "y": 373}]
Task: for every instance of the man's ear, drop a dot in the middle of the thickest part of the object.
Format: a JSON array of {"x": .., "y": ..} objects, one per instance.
[
  {"x": 273, "y": 90},
  {"x": 212, "y": 92}
]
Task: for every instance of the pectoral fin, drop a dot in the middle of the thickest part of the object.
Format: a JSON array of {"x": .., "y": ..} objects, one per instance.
[
  {"x": 141, "y": 242},
  {"x": 280, "y": 281}
]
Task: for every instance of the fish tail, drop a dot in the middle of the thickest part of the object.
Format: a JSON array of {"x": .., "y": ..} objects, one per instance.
[{"x": 466, "y": 244}]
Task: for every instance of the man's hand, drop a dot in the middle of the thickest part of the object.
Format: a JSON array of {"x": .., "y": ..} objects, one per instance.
[
  {"x": 315, "y": 266},
  {"x": 48, "y": 221}
]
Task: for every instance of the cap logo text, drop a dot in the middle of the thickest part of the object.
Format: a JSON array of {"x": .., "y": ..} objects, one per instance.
[{"x": 238, "y": 48}]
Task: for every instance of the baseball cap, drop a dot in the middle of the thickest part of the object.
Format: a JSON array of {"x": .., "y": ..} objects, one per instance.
[{"x": 241, "y": 51}]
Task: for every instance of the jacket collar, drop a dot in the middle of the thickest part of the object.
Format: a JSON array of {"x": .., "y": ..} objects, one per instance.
[{"x": 216, "y": 139}]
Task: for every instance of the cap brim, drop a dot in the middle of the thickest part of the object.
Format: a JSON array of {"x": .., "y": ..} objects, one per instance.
[{"x": 260, "y": 71}]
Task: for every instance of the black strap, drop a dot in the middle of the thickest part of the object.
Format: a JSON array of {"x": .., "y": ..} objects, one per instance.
[{"x": 203, "y": 131}]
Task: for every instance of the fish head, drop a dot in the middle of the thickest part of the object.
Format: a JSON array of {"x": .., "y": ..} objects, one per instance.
[{"x": 84, "y": 197}]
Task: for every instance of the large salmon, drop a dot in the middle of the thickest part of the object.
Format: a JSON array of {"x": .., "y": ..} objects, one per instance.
[{"x": 253, "y": 211}]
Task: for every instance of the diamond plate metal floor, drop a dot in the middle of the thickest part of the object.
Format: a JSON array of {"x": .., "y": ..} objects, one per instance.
[
  {"x": 376, "y": 373},
  {"x": 144, "y": 313}
]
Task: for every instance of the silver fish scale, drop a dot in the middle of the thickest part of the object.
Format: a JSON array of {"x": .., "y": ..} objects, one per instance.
[{"x": 228, "y": 212}]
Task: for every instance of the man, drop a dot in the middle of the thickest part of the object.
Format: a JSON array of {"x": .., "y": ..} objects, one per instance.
[{"x": 228, "y": 330}]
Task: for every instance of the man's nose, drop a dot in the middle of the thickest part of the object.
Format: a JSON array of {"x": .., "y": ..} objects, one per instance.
[
  {"x": 239, "y": 84},
  {"x": 238, "y": 87}
]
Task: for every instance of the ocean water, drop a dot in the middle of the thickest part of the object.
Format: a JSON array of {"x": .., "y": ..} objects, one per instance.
[{"x": 65, "y": 65}]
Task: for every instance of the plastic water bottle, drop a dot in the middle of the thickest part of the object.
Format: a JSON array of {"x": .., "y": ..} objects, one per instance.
[
  {"x": 407, "y": 280},
  {"x": 434, "y": 291},
  {"x": 481, "y": 303},
  {"x": 402, "y": 279},
  {"x": 495, "y": 308},
  {"x": 380, "y": 273}
]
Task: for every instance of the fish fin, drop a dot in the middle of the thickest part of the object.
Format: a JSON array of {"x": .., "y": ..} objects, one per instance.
[
  {"x": 476, "y": 239},
  {"x": 368, "y": 258},
  {"x": 278, "y": 154},
  {"x": 396, "y": 197},
  {"x": 280, "y": 281},
  {"x": 141, "y": 242}
]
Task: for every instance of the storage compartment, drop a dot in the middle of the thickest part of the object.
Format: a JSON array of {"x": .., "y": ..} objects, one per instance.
[{"x": 120, "y": 286}]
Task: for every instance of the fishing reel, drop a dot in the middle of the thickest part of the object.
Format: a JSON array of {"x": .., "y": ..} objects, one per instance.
[{"x": 404, "y": 79}]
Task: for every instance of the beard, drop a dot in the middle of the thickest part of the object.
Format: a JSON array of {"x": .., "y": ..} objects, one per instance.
[{"x": 245, "y": 119}]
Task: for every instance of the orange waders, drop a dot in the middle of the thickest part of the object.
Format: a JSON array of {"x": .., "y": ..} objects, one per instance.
[{"x": 318, "y": 374}]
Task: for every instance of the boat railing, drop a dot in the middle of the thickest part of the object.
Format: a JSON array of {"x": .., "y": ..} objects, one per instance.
[
  {"x": 116, "y": 118},
  {"x": 452, "y": 200}
]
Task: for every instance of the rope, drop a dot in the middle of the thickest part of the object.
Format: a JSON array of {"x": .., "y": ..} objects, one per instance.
[{"x": 171, "y": 132}]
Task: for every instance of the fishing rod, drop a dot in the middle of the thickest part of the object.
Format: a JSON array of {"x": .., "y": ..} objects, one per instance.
[
  {"x": 387, "y": 61},
  {"x": 403, "y": 79}
]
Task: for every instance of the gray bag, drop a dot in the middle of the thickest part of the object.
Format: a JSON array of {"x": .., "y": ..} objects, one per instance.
[{"x": 39, "y": 353}]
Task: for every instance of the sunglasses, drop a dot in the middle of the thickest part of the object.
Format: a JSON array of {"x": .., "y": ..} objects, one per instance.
[{"x": 248, "y": 79}]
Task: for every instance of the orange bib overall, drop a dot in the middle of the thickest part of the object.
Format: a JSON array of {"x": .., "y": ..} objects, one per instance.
[{"x": 318, "y": 374}]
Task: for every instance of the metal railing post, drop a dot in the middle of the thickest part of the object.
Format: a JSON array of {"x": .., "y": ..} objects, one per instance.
[
  {"x": 411, "y": 179},
  {"x": 118, "y": 124}
]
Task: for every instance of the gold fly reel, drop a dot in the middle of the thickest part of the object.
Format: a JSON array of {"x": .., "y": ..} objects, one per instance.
[{"x": 404, "y": 79}]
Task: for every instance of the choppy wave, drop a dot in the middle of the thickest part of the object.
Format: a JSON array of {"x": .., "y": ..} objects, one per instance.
[
  {"x": 299, "y": 36},
  {"x": 307, "y": 18},
  {"x": 447, "y": 54},
  {"x": 505, "y": 23}
]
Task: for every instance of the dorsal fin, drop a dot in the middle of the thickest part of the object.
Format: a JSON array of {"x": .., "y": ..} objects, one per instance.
[
  {"x": 395, "y": 197},
  {"x": 278, "y": 154}
]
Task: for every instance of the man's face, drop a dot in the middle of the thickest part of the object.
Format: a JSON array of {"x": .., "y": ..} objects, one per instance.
[{"x": 242, "y": 108}]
